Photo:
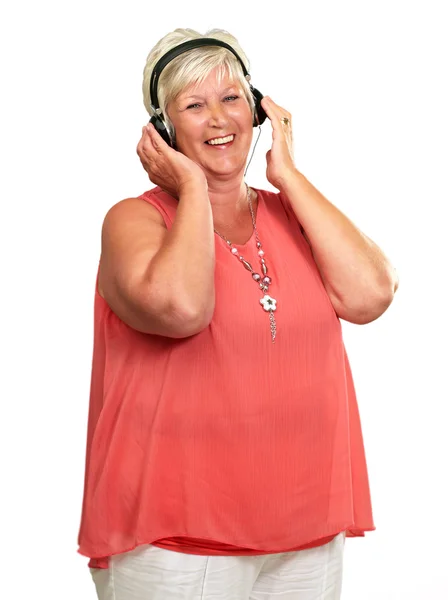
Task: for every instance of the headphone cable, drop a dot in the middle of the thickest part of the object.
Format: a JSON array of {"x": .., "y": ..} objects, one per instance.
[{"x": 259, "y": 127}]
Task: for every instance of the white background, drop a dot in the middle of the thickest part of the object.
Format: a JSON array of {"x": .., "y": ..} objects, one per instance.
[{"x": 366, "y": 85}]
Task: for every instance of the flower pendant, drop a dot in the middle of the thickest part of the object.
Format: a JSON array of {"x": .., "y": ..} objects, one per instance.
[{"x": 268, "y": 303}]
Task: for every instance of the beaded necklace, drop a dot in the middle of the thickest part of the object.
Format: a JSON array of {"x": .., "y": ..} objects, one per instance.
[{"x": 268, "y": 303}]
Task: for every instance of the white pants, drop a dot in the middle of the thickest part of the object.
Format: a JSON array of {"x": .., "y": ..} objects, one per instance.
[{"x": 151, "y": 573}]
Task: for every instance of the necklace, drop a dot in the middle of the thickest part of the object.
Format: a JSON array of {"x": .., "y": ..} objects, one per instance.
[{"x": 268, "y": 303}]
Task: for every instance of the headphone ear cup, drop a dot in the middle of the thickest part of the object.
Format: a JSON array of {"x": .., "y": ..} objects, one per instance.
[
  {"x": 260, "y": 114},
  {"x": 161, "y": 129}
]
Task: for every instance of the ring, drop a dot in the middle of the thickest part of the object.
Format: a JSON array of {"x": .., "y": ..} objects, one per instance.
[{"x": 285, "y": 120}]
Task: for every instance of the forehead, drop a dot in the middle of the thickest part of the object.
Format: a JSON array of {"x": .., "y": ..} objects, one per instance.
[{"x": 212, "y": 83}]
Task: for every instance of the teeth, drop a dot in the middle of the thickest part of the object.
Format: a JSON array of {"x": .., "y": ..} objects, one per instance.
[{"x": 217, "y": 141}]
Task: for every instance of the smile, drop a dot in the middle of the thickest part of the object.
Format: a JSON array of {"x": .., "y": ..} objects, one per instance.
[{"x": 224, "y": 141}]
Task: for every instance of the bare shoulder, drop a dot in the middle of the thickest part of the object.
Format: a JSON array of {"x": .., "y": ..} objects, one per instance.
[
  {"x": 127, "y": 220},
  {"x": 134, "y": 207}
]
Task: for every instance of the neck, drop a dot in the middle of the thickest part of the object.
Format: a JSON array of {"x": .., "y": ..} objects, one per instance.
[{"x": 228, "y": 200}]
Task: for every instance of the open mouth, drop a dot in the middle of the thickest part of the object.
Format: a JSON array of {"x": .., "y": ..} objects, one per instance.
[{"x": 220, "y": 143}]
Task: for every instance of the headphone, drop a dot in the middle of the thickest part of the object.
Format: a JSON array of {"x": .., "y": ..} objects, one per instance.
[{"x": 158, "y": 120}]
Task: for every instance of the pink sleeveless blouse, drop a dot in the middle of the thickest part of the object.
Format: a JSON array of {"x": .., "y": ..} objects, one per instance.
[{"x": 225, "y": 443}]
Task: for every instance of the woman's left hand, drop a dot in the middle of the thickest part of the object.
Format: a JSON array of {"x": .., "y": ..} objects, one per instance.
[{"x": 280, "y": 158}]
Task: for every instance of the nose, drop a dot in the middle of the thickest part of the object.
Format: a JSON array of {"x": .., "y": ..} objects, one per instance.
[{"x": 218, "y": 115}]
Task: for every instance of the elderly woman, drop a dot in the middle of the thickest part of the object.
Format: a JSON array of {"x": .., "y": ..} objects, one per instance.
[{"x": 225, "y": 456}]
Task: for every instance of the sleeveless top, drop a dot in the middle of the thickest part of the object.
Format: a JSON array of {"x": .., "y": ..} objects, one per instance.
[{"x": 224, "y": 443}]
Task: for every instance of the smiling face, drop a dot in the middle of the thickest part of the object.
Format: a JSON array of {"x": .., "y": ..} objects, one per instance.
[{"x": 211, "y": 111}]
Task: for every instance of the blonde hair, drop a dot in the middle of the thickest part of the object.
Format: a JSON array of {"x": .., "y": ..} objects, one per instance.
[{"x": 192, "y": 67}]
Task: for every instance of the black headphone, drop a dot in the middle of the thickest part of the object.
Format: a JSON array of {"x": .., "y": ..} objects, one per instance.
[{"x": 158, "y": 120}]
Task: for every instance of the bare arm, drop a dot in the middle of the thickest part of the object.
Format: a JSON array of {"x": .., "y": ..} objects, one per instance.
[
  {"x": 182, "y": 271},
  {"x": 160, "y": 281}
]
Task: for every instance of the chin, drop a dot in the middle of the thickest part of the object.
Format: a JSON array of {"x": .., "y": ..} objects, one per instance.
[{"x": 224, "y": 166}]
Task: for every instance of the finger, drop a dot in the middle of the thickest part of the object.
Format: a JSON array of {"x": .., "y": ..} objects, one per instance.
[
  {"x": 157, "y": 141},
  {"x": 279, "y": 109},
  {"x": 145, "y": 139},
  {"x": 275, "y": 112},
  {"x": 147, "y": 145}
]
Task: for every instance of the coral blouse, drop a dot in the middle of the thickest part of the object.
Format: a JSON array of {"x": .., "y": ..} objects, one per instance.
[{"x": 225, "y": 443}]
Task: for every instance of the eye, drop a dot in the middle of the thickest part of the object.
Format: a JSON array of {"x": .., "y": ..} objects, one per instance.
[{"x": 226, "y": 98}]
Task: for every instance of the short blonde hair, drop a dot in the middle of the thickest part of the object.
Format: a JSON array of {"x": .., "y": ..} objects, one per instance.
[{"x": 192, "y": 67}]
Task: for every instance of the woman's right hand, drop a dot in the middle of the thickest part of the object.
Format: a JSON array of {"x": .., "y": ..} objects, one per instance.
[{"x": 169, "y": 169}]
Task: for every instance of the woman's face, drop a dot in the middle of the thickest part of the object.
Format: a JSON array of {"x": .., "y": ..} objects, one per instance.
[{"x": 211, "y": 111}]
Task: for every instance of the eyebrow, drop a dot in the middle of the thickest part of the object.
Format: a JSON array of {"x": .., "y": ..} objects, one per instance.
[{"x": 200, "y": 97}]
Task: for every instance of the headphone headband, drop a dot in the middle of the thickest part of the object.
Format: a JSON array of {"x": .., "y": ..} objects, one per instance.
[{"x": 184, "y": 47}]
